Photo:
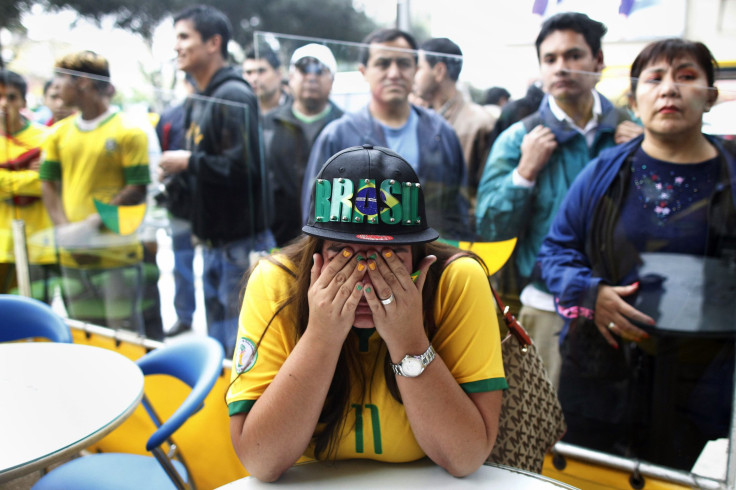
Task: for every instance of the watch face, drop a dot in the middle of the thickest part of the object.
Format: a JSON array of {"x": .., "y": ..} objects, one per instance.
[{"x": 411, "y": 366}]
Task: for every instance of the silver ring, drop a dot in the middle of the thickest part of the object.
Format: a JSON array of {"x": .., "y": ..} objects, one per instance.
[
  {"x": 388, "y": 300},
  {"x": 611, "y": 325}
]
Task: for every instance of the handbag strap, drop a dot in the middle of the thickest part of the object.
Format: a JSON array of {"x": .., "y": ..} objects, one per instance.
[{"x": 515, "y": 328}]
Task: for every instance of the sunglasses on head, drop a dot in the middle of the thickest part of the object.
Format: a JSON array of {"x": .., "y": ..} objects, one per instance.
[{"x": 311, "y": 66}]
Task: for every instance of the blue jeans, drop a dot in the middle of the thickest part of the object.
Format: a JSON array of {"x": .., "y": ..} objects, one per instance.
[
  {"x": 184, "y": 297},
  {"x": 223, "y": 278}
]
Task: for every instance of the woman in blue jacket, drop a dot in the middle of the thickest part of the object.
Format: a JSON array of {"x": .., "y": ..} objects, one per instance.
[{"x": 667, "y": 192}]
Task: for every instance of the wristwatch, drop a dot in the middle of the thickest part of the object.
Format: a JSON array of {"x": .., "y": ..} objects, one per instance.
[{"x": 413, "y": 366}]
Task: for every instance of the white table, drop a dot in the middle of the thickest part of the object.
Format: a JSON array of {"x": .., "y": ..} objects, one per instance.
[
  {"x": 58, "y": 399},
  {"x": 424, "y": 474}
]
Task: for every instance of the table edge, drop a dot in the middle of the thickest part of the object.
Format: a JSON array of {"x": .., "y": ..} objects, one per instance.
[{"x": 44, "y": 461}]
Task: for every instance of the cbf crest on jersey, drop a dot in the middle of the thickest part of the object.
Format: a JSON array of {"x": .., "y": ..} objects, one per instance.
[
  {"x": 111, "y": 145},
  {"x": 245, "y": 355}
]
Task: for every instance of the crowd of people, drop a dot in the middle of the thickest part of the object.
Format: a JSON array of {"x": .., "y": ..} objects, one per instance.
[{"x": 358, "y": 309}]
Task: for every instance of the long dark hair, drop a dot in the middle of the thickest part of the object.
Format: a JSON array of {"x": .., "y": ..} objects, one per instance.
[{"x": 347, "y": 372}]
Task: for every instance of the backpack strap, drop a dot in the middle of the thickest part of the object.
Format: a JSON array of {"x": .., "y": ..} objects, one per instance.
[{"x": 532, "y": 121}]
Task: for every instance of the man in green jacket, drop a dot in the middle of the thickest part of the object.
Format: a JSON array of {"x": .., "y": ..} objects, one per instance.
[{"x": 533, "y": 163}]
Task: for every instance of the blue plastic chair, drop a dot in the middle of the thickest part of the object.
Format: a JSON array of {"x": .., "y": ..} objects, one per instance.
[
  {"x": 197, "y": 362},
  {"x": 24, "y": 318}
]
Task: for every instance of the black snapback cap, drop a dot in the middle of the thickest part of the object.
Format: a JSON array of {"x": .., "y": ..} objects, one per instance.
[{"x": 368, "y": 194}]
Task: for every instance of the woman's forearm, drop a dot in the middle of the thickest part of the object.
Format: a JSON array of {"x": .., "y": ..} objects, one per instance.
[
  {"x": 279, "y": 427},
  {"x": 456, "y": 430}
]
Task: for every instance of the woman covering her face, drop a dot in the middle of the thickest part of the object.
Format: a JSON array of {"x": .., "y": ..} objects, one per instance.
[
  {"x": 667, "y": 194},
  {"x": 359, "y": 341}
]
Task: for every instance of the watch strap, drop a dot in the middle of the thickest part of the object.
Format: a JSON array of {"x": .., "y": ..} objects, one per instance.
[{"x": 425, "y": 358}]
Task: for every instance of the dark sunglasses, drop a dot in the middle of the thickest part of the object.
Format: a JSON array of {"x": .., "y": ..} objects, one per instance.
[{"x": 311, "y": 66}]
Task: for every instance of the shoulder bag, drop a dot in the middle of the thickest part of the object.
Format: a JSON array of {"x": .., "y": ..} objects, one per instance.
[{"x": 531, "y": 419}]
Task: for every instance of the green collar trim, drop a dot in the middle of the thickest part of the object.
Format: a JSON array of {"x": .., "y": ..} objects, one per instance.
[
  {"x": 310, "y": 119},
  {"x": 364, "y": 336}
]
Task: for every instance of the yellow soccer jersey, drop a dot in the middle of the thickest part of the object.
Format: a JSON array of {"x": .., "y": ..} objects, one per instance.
[
  {"x": 96, "y": 164},
  {"x": 20, "y": 196},
  {"x": 467, "y": 340}
]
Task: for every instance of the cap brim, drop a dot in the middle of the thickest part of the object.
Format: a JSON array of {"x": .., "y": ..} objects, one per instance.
[{"x": 424, "y": 236}]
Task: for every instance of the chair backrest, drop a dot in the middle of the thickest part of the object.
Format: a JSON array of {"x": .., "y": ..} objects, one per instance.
[
  {"x": 23, "y": 318},
  {"x": 197, "y": 362}
]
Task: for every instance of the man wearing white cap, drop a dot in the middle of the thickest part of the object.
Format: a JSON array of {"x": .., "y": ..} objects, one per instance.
[{"x": 290, "y": 130}]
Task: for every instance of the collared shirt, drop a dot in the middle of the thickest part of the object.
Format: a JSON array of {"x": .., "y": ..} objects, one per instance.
[
  {"x": 451, "y": 107},
  {"x": 588, "y": 131}
]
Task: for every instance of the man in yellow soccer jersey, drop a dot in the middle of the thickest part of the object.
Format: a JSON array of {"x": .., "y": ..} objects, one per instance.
[
  {"x": 20, "y": 189},
  {"x": 103, "y": 160}
]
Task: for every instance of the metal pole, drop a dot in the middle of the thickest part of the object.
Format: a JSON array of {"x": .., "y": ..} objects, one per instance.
[
  {"x": 21, "y": 257},
  {"x": 731, "y": 468},
  {"x": 403, "y": 20},
  {"x": 631, "y": 466}
]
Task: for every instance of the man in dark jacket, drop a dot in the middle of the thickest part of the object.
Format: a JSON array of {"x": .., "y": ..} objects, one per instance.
[
  {"x": 290, "y": 130},
  {"x": 222, "y": 162},
  {"x": 423, "y": 138}
]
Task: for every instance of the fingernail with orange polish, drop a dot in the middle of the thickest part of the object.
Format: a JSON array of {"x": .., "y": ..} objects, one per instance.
[
  {"x": 387, "y": 253},
  {"x": 346, "y": 252},
  {"x": 361, "y": 267},
  {"x": 372, "y": 265}
]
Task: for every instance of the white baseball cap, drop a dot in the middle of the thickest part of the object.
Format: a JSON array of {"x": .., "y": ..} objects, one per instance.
[{"x": 317, "y": 51}]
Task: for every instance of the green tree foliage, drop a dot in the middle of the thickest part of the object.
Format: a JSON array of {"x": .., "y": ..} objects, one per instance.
[
  {"x": 330, "y": 19},
  {"x": 10, "y": 12}
]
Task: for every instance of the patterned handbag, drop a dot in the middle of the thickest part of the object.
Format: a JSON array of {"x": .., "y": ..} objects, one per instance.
[{"x": 531, "y": 420}]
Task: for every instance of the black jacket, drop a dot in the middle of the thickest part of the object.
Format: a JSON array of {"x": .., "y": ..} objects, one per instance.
[
  {"x": 230, "y": 197},
  {"x": 177, "y": 196},
  {"x": 287, "y": 152}
]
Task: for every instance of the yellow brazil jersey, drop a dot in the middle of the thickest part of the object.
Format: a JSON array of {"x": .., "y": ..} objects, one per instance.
[
  {"x": 96, "y": 164},
  {"x": 376, "y": 427},
  {"x": 20, "y": 195}
]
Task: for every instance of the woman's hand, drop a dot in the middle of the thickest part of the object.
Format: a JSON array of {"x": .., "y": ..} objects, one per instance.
[
  {"x": 334, "y": 295},
  {"x": 612, "y": 314},
  {"x": 399, "y": 323}
]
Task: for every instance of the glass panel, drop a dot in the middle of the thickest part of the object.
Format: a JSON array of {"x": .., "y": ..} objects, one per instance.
[
  {"x": 118, "y": 189},
  {"x": 437, "y": 159},
  {"x": 660, "y": 399},
  {"x": 123, "y": 228}
]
